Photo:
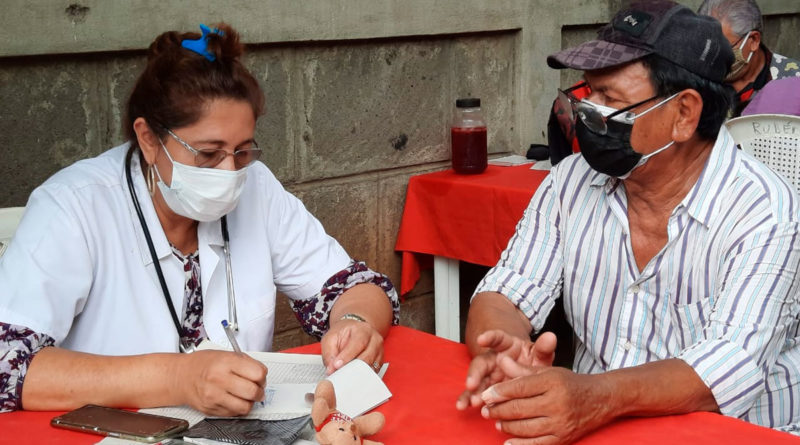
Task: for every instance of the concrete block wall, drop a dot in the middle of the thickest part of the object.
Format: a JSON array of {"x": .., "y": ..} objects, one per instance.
[{"x": 359, "y": 93}]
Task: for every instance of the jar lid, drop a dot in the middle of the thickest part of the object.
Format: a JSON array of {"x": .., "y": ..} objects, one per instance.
[{"x": 468, "y": 102}]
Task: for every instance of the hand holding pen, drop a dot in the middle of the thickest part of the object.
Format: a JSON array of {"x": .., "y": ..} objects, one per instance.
[
  {"x": 234, "y": 344},
  {"x": 220, "y": 383}
]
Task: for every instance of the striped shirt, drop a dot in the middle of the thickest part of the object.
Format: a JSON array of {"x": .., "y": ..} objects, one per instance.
[{"x": 720, "y": 295}]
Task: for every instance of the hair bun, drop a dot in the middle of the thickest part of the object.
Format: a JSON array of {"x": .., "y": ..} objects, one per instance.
[
  {"x": 165, "y": 43},
  {"x": 182, "y": 77},
  {"x": 223, "y": 43}
]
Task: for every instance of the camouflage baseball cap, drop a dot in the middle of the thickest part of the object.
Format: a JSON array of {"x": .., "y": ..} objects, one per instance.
[{"x": 660, "y": 27}]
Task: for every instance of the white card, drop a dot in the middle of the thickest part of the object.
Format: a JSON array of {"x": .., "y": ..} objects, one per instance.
[{"x": 358, "y": 388}]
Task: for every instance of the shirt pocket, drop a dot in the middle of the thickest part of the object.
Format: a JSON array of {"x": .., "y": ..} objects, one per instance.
[
  {"x": 688, "y": 321},
  {"x": 258, "y": 306},
  {"x": 257, "y": 321}
]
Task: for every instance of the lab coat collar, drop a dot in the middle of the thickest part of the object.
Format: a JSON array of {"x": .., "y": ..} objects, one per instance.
[
  {"x": 209, "y": 245},
  {"x": 208, "y": 233},
  {"x": 160, "y": 242}
]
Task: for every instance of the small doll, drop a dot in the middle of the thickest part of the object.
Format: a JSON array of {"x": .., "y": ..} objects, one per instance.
[{"x": 335, "y": 428}]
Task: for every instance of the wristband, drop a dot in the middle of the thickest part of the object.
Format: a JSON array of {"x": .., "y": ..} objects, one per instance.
[{"x": 354, "y": 317}]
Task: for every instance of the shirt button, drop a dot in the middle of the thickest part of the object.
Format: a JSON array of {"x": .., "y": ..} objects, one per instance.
[
  {"x": 627, "y": 345},
  {"x": 635, "y": 288}
]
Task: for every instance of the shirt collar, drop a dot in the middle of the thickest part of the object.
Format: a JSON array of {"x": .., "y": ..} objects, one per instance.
[
  {"x": 716, "y": 176},
  {"x": 207, "y": 232},
  {"x": 210, "y": 232},
  {"x": 160, "y": 243},
  {"x": 603, "y": 180}
]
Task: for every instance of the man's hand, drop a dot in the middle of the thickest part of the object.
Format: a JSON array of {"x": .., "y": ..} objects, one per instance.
[
  {"x": 221, "y": 383},
  {"x": 544, "y": 405},
  {"x": 349, "y": 339},
  {"x": 484, "y": 370}
]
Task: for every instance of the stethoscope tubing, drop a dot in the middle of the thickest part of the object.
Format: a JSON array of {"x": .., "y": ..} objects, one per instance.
[{"x": 184, "y": 347}]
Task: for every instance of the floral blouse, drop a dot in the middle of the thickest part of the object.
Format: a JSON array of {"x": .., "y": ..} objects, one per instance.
[
  {"x": 18, "y": 344},
  {"x": 192, "y": 325}
]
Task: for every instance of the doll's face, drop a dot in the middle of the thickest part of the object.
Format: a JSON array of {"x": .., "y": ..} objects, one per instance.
[{"x": 339, "y": 433}]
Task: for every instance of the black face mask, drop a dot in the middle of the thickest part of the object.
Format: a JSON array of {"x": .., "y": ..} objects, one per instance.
[{"x": 610, "y": 153}]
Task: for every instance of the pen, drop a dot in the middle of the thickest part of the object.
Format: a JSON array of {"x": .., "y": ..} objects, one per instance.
[{"x": 231, "y": 337}]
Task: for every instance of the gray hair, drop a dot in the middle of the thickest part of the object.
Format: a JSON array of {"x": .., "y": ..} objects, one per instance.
[{"x": 742, "y": 16}]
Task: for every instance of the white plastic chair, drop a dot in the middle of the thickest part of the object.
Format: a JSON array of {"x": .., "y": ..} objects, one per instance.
[
  {"x": 773, "y": 139},
  {"x": 9, "y": 220}
]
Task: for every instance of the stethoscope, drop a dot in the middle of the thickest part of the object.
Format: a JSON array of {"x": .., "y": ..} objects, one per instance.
[{"x": 226, "y": 249}]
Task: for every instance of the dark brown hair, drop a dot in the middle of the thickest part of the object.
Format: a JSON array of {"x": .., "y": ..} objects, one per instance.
[{"x": 177, "y": 83}]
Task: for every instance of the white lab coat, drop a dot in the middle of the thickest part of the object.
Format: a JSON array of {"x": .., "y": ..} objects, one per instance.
[{"x": 79, "y": 270}]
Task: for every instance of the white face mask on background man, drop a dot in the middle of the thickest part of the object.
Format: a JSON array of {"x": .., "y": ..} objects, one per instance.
[{"x": 201, "y": 194}]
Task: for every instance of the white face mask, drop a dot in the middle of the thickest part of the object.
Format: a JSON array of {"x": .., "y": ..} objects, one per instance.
[{"x": 202, "y": 194}]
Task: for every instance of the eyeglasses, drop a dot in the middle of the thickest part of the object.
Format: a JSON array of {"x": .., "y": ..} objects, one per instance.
[
  {"x": 563, "y": 111},
  {"x": 591, "y": 115},
  {"x": 211, "y": 157},
  {"x": 742, "y": 39}
]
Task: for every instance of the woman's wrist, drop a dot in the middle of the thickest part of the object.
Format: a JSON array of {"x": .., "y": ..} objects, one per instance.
[
  {"x": 367, "y": 301},
  {"x": 180, "y": 378}
]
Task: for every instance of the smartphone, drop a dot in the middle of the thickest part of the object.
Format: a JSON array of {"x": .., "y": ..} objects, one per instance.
[{"x": 119, "y": 423}]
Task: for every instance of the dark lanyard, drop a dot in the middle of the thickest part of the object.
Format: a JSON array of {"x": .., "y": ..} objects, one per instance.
[{"x": 224, "y": 223}]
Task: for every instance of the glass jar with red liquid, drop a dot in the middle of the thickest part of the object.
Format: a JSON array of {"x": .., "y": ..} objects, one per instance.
[{"x": 468, "y": 137}]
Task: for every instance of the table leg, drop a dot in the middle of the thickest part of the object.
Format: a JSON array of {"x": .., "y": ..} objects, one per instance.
[{"x": 446, "y": 297}]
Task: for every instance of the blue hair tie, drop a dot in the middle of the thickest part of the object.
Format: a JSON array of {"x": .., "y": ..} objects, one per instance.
[{"x": 200, "y": 46}]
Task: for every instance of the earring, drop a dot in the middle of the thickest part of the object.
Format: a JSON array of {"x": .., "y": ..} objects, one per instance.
[{"x": 151, "y": 179}]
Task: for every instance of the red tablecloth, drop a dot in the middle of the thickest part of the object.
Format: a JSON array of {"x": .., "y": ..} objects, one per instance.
[
  {"x": 426, "y": 375},
  {"x": 466, "y": 217}
]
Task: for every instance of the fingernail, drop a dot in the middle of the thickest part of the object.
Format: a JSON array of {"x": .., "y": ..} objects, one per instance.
[
  {"x": 489, "y": 395},
  {"x": 485, "y": 412},
  {"x": 338, "y": 364},
  {"x": 498, "y": 426}
]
